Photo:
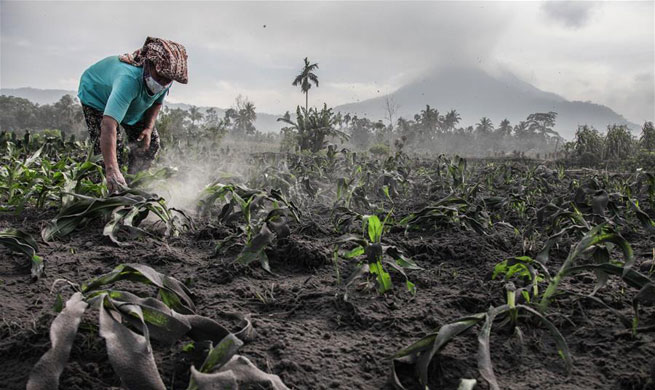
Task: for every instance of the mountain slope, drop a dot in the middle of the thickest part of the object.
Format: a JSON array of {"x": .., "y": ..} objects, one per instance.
[
  {"x": 36, "y": 95},
  {"x": 475, "y": 93}
]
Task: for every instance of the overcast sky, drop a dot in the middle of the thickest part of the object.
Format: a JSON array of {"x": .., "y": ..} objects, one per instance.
[{"x": 598, "y": 51}]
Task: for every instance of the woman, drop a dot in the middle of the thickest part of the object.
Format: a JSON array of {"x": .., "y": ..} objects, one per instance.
[{"x": 129, "y": 90}]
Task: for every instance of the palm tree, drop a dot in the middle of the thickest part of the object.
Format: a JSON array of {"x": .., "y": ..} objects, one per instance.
[
  {"x": 194, "y": 115},
  {"x": 451, "y": 119},
  {"x": 211, "y": 116},
  {"x": 485, "y": 126},
  {"x": 305, "y": 78},
  {"x": 505, "y": 128},
  {"x": 522, "y": 130},
  {"x": 245, "y": 117},
  {"x": 430, "y": 122}
]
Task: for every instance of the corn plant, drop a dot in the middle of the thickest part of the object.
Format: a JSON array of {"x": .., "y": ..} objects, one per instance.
[
  {"x": 146, "y": 179},
  {"x": 457, "y": 170},
  {"x": 643, "y": 283},
  {"x": 351, "y": 189},
  {"x": 41, "y": 178},
  {"x": 21, "y": 242},
  {"x": 594, "y": 244},
  {"x": 451, "y": 210},
  {"x": 530, "y": 271},
  {"x": 258, "y": 218},
  {"x": 126, "y": 210},
  {"x": 422, "y": 352},
  {"x": 127, "y": 322},
  {"x": 374, "y": 255}
]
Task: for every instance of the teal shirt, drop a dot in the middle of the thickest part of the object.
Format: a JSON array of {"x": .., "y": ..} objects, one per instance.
[{"x": 118, "y": 90}]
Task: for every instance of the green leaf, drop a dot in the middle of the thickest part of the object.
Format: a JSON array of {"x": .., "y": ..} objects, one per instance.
[
  {"x": 59, "y": 304},
  {"x": 163, "y": 323},
  {"x": 189, "y": 347},
  {"x": 254, "y": 250},
  {"x": 411, "y": 287},
  {"x": 401, "y": 260},
  {"x": 221, "y": 354},
  {"x": 355, "y": 252},
  {"x": 383, "y": 278},
  {"x": 374, "y": 228}
]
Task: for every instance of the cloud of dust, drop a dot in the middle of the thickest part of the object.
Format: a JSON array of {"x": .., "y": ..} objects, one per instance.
[{"x": 229, "y": 163}]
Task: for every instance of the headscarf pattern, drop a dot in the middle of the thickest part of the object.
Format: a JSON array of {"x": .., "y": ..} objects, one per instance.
[{"x": 168, "y": 57}]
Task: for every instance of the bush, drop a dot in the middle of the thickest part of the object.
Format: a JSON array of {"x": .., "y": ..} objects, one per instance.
[
  {"x": 380, "y": 150},
  {"x": 618, "y": 143}
]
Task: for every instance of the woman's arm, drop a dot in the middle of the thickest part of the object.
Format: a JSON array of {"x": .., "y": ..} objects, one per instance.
[
  {"x": 108, "y": 129},
  {"x": 149, "y": 118}
]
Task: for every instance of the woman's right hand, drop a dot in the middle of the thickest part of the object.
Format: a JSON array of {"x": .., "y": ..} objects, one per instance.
[{"x": 115, "y": 181}]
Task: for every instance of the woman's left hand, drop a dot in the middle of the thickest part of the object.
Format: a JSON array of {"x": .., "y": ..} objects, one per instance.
[{"x": 144, "y": 137}]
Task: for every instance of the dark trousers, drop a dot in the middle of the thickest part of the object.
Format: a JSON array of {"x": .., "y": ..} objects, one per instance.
[{"x": 137, "y": 161}]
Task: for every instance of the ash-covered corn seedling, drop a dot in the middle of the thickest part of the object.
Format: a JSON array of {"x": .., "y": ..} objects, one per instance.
[
  {"x": 127, "y": 322},
  {"x": 256, "y": 218},
  {"x": 124, "y": 211},
  {"x": 421, "y": 353},
  {"x": 21, "y": 242}
]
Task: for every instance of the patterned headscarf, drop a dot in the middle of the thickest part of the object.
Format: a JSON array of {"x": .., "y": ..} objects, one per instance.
[{"x": 168, "y": 57}]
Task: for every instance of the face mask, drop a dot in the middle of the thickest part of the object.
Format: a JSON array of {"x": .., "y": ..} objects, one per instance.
[{"x": 153, "y": 85}]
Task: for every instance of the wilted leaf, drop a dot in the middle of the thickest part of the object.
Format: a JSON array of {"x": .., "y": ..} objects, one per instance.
[
  {"x": 22, "y": 242},
  {"x": 130, "y": 354},
  {"x": 46, "y": 372},
  {"x": 238, "y": 373}
]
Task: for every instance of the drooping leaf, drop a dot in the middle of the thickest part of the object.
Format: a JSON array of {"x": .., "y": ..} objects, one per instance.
[
  {"x": 46, "y": 372},
  {"x": 172, "y": 292},
  {"x": 436, "y": 342},
  {"x": 560, "y": 341},
  {"x": 238, "y": 372},
  {"x": 22, "y": 242},
  {"x": 163, "y": 323},
  {"x": 221, "y": 353},
  {"x": 130, "y": 354},
  {"x": 485, "y": 367}
]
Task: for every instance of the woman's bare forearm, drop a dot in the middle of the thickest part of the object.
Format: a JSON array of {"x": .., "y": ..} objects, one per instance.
[
  {"x": 150, "y": 116},
  {"x": 108, "y": 129}
]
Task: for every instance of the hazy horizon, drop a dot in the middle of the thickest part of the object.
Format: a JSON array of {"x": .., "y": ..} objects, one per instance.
[{"x": 587, "y": 51}]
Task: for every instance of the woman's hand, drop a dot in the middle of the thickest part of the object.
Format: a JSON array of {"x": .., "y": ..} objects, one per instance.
[
  {"x": 144, "y": 137},
  {"x": 115, "y": 180}
]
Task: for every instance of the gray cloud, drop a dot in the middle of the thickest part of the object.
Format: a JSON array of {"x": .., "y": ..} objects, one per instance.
[
  {"x": 383, "y": 44},
  {"x": 572, "y": 14},
  {"x": 361, "y": 47}
]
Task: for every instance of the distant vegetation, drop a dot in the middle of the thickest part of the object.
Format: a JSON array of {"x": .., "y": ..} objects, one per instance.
[{"x": 428, "y": 132}]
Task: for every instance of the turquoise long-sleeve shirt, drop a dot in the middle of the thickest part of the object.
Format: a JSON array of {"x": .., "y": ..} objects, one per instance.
[{"x": 118, "y": 90}]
